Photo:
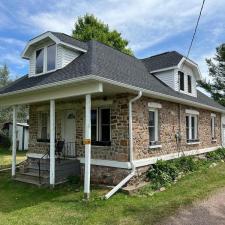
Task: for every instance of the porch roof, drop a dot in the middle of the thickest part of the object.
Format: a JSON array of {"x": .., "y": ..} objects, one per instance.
[{"x": 106, "y": 64}]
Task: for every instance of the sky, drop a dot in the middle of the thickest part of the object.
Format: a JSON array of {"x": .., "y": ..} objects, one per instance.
[{"x": 151, "y": 26}]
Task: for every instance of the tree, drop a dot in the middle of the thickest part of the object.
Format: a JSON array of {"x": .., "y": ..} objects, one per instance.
[
  {"x": 4, "y": 76},
  {"x": 216, "y": 65},
  {"x": 6, "y": 112},
  {"x": 89, "y": 27}
]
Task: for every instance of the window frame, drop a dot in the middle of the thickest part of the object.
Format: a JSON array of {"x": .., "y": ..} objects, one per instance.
[
  {"x": 213, "y": 127},
  {"x": 98, "y": 140},
  {"x": 189, "y": 82},
  {"x": 156, "y": 126},
  {"x": 45, "y": 57},
  {"x": 36, "y": 60},
  {"x": 189, "y": 128},
  {"x": 179, "y": 75},
  {"x": 40, "y": 123}
]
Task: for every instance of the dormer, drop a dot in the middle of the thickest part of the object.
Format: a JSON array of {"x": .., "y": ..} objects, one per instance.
[
  {"x": 51, "y": 51},
  {"x": 175, "y": 70}
]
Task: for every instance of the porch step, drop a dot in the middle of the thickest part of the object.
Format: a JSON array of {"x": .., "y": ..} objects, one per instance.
[{"x": 63, "y": 169}]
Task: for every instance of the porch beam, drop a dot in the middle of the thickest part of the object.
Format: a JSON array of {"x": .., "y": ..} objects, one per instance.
[
  {"x": 87, "y": 143},
  {"x": 14, "y": 141},
  {"x": 52, "y": 143}
]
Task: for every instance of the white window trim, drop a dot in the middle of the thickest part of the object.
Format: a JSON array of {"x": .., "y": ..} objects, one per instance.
[
  {"x": 188, "y": 75},
  {"x": 45, "y": 71},
  {"x": 190, "y": 130},
  {"x": 98, "y": 123},
  {"x": 154, "y": 105},
  {"x": 191, "y": 111},
  {"x": 156, "y": 111},
  {"x": 40, "y": 124},
  {"x": 213, "y": 128}
]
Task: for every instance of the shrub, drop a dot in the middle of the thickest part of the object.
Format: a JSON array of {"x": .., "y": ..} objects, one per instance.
[
  {"x": 216, "y": 155},
  {"x": 187, "y": 164},
  {"x": 162, "y": 173}
]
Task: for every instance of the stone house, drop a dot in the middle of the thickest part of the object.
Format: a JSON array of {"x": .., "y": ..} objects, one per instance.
[{"x": 114, "y": 114}]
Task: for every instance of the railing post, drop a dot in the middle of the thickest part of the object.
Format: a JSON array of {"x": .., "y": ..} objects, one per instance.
[
  {"x": 52, "y": 143},
  {"x": 14, "y": 141},
  {"x": 87, "y": 143}
]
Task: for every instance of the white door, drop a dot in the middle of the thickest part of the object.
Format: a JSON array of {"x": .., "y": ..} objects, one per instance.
[{"x": 69, "y": 134}]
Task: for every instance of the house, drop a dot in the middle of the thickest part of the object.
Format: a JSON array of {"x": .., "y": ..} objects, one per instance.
[
  {"x": 22, "y": 134},
  {"x": 115, "y": 114}
]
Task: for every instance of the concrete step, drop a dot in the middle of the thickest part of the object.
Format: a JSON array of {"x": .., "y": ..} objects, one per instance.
[
  {"x": 30, "y": 181},
  {"x": 33, "y": 177}
]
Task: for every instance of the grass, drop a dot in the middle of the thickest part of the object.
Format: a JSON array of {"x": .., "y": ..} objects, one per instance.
[
  {"x": 6, "y": 157},
  {"x": 24, "y": 204}
]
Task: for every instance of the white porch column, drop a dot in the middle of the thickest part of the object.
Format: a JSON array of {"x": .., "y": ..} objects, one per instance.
[
  {"x": 52, "y": 143},
  {"x": 14, "y": 141},
  {"x": 87, "y": 143}
]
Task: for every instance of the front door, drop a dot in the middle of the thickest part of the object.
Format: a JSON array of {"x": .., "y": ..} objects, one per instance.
[{"x": 69, "y": 129}]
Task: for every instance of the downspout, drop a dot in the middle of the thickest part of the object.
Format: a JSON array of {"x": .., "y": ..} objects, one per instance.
[{"x": 132, "y": 173}]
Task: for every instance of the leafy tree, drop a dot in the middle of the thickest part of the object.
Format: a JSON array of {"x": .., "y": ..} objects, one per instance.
[
  {"x": 89, "y": 27},
  {"x": 216, "y": 65}
]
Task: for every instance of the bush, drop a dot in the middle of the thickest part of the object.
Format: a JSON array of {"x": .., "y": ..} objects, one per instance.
[
  {"x": 5, "y": 141},
  {"x": 163, "y": 173},
  {"x": 216, "y": 155},
  {"x": 187, "y": 164}
]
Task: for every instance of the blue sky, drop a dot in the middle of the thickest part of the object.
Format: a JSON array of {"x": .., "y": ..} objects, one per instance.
[{"x": 151, "y": 26}]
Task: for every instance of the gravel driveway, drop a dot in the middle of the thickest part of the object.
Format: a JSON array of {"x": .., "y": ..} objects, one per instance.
[{"x": 208, "y": 212}]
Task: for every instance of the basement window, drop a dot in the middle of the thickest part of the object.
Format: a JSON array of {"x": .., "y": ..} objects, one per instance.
[{"x": 101, "y": 126}]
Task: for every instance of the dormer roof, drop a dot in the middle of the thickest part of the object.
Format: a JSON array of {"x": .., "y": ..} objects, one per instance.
[
  {"x": 170, "y": 60},
  {"x": 56, "y": 37}
]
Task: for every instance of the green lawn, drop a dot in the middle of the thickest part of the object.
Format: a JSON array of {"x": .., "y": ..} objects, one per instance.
[
  {"x": 24, "y": 204},
  {"x": 6, "y": 157}
]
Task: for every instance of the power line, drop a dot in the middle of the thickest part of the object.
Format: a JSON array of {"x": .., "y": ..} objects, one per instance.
[{"x": 196, "y": 27}]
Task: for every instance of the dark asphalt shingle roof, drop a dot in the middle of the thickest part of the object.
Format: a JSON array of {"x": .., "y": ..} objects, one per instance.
[
  {"x": 69, "y": 40},
  {"x": 163, "y": 60},
  {"x": 107, "y": 62}
]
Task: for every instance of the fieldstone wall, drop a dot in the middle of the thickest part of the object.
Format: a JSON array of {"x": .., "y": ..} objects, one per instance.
[
  {"x": 119, "y": 129},
  {"x": 169, "y": 126}
]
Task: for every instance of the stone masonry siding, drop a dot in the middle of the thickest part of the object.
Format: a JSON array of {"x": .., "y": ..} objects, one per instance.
[
  {"x": 119, "y": 129},
  {"x": 168, "y": 126}
]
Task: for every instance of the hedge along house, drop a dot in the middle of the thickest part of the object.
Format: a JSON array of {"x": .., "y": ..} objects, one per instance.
[{"x": 115, "y": 114}]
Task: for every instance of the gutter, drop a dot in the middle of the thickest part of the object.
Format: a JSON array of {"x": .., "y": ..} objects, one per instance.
[
  {"x": 128, "y": 86},
  {"x": 132, "y": 173}
]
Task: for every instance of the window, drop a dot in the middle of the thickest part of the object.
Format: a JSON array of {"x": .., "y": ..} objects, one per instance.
[
  {"x": 181, "y": 80},
  {"x": 189, "y": 84},
  {"x": 213, "y": 125},
  {"x": 51, "y": 57},
  {"x": 39, "y": 61},
  {"x": 100, "y": 126},
  {"x": 192, "y": 128},
  {"x": 43, "y": 126},
  {"x": 153, "y": 127}
]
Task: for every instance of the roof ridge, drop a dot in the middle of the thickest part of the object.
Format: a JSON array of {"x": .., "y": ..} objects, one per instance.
[{"x": 163, "y": 53}]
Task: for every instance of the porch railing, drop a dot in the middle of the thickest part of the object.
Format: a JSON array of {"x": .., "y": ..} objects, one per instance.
[{"x": 69, "y": 150}]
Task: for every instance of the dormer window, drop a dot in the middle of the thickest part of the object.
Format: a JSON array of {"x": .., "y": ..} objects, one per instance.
[
  {"x": 181, "y": 80},
  {"x": 51, "y": 57},
  {"x": 39, "y": 61},
  {"x": 45, "y": 59},
  {"x": 189, "y": 84}
]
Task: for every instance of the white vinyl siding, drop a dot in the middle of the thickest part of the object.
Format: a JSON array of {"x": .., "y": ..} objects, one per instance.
[
  {"x": 167, "y": 77},
  {"x": 63, "y": 57}
]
